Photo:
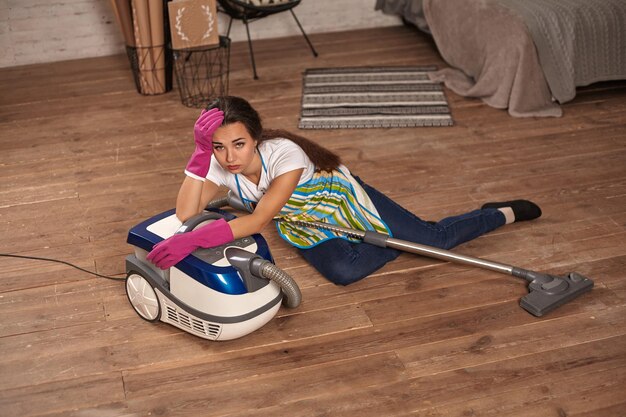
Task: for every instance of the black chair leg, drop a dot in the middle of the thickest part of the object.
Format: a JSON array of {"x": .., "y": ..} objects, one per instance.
[
  {"x": 230, "y": 24},
  {"x": 245, "y": 22},
  {"x": 302, "y": 30}
]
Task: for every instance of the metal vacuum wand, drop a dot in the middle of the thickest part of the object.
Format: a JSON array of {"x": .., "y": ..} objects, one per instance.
[{"x": 547, "y": 292}]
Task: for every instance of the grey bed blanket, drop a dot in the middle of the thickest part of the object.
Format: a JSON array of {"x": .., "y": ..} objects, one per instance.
[
  {"x": 578, "y": 42},
  {"x": 491, "y": 54},
  {"x": 524, "y": 55}
]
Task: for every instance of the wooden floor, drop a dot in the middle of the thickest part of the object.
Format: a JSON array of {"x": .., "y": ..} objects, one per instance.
[{"x": 83, "y": 157}]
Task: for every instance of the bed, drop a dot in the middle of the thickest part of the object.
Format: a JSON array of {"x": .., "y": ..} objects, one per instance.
[{"x": 527, "y": 56}]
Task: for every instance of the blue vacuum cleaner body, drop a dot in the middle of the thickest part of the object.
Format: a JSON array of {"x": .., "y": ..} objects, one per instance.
[{"x": 219, "y": 293}]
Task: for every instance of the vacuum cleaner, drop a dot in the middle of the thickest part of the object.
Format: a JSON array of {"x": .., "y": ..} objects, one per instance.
[
  {"x": 220, "y": 293},
  {"x": 546, "y": 292}
]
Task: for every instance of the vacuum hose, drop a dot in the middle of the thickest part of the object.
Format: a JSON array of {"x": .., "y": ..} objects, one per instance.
[
  {"x": 219, "y": 202},
  {"x": 289, "y": 287}
]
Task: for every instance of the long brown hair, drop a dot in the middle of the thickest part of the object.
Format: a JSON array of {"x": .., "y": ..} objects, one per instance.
[{"x": 237, "y": 109}]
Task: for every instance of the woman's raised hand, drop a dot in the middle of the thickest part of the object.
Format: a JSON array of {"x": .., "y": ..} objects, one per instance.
[{"x": 206, "y": 125}]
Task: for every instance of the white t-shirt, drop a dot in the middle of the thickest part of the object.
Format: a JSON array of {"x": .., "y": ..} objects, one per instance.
[{"x": 279, "y": 156}]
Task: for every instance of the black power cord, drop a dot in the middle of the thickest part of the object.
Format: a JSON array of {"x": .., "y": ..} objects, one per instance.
[{"x": 64, "y": 263}]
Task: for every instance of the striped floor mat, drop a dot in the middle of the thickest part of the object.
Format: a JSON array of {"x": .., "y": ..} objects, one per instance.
[{"x": 370, "y": 97}]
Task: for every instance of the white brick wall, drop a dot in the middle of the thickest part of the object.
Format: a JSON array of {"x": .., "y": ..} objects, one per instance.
[{"x": 36, "y": 31}]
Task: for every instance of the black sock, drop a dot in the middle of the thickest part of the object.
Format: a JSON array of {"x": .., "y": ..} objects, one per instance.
[{"x": 522, "y": 209}]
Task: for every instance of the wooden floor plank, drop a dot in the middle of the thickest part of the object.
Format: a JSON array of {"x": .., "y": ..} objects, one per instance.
[
  {"x": 545, "y": 399},
  {"x": 615, "y": 410},
  {"x": 217, "y": 400},
  {"x": 512, "y": 342},
  {"x": 62, "y": 397},
  {"x": 101, "y": 350},
  {"x": 475, "y": 384}
]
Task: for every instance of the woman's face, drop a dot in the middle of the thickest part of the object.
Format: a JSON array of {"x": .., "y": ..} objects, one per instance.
[{"x": 233, "y": 148}]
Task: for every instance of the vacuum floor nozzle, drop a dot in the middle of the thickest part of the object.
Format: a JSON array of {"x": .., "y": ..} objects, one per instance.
[{"x": 546, "y": 296}]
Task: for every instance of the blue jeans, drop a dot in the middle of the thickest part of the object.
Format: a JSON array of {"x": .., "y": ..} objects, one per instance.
[{"x": 344, "y": 262}]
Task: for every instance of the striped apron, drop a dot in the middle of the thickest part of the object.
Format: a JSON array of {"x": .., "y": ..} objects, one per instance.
[{"x": 329, "y": 197}]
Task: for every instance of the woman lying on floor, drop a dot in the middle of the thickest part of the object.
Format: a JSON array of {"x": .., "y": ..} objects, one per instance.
[{"x": 280, "y": 175}]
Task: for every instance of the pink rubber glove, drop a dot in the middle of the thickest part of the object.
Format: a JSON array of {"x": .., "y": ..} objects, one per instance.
[
  {"x": 172, "y": 250},
  {"x": 203, "y": 130}
]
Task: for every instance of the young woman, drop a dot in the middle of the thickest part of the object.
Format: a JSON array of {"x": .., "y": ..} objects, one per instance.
[{"x": 277, "y": 174}]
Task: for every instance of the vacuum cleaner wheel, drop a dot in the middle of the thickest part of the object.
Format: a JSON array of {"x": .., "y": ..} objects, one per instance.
[{"x": 142, "y": 297}]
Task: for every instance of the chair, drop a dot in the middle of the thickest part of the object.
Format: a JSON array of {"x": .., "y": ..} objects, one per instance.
[{"x": 251, "y": 10}]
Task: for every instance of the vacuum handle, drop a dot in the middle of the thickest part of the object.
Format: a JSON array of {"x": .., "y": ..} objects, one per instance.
[
  {"x": 384, "y": 241},
  {"x": 447, "y": 255},
  {"x": 194, "y": 221}
]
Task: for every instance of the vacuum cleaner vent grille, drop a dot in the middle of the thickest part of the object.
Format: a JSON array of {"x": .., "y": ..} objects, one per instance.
[{"x": 192, "y": 324}]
